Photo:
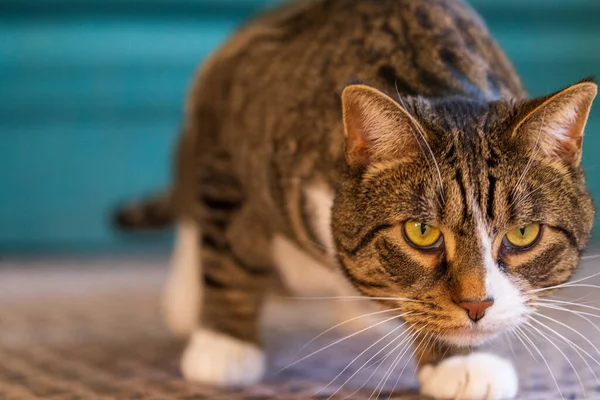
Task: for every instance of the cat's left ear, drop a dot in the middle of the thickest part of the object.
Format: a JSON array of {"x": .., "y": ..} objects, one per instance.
[
  {"x": 376, "y": 127},
  {"x": 556, "y": 123}
]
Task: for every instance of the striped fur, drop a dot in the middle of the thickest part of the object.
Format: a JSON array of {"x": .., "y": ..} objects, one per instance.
[{"x": 439, "y": 132}]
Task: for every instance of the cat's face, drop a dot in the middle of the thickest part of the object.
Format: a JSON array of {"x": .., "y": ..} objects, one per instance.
[{"x": 464, "y": 209}]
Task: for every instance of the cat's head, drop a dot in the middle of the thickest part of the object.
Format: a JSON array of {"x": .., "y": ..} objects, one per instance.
[{"x": 465, "y": 208}]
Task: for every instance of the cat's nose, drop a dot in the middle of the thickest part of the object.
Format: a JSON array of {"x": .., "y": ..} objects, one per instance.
[{"x": 476, "y": 309}]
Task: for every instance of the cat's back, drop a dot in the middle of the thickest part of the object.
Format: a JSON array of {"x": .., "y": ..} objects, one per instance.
[
  {"x": 275, "y": 86},
  {"x": 422, "y": 47}
]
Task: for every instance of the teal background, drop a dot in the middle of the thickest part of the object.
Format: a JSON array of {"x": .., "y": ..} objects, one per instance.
[{"x": 91, "y": 94}]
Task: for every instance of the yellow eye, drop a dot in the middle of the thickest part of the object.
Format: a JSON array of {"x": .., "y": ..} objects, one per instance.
[
  {"x": 422, "y": 235},
  {"x": 523, "y": 236}
]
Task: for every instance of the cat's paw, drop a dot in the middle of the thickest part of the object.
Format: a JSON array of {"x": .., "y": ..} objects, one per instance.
[
  {"x": 477, "y": 376},
  {"x": 217, "y": 359}
]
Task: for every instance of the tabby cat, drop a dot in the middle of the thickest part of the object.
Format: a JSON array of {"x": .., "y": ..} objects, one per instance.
[{"x": 392, "y": 143}]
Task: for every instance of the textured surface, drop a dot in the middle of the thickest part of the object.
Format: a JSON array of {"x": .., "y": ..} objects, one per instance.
[{"x": 90, "y": 329}]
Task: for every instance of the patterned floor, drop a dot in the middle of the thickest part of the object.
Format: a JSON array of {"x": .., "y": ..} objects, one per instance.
[{"x": 90, "y": 329}]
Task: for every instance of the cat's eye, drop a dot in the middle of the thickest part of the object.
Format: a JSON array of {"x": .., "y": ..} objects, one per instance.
[
  {"x": 422, "y": 235},
  {"x": 523, "y": 236}
]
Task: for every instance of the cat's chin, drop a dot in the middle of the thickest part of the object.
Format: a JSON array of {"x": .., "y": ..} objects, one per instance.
[{"x": 469, "y": 337}]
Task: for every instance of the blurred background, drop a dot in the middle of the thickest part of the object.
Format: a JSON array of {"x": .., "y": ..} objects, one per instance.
[{"x": 92, "y": 92}]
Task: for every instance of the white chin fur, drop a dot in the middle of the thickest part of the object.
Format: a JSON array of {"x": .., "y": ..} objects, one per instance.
[
  {"x": 220, "y": 360},
  {"x": 468, "y": 339}
]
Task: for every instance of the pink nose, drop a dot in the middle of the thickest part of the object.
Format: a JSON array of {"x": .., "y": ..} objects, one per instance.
[{"x": 476, "y": 309}]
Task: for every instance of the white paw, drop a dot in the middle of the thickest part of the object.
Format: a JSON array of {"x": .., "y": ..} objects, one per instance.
[
  {"x": 220, "y": 360},
  {"x": 478, "y": 376}
]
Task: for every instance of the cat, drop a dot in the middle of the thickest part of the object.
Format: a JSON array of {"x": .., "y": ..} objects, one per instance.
[{"x": 392, "y": 143}]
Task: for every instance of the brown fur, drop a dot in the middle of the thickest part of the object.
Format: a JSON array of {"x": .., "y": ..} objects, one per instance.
[{"x": 264, "y": 119}]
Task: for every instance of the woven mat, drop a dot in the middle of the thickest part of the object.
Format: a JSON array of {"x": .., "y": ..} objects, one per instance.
[{"x": 90, "y": 329}]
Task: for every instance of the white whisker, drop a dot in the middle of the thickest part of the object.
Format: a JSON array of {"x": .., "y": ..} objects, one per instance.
[
  {"x": 346, "y": 322},
  {"x": 545, "y": 336},
  {"x": 340, "y": 340},
  {"x": 537, "y": 189},
  {"x": 575, "y": 312},
  {"x": 507, "y": 339},
  {"x": 422, "y": 134},
  {"x": 529, "y": 162},
  {"x": 566, "y": 339},
  {"x": 369, "y": 360},
  {"x": 356, "y": 358},
  {"x": 552, "y": 301},
  {"x": 380, "y": 361},
  {"x": 536, "y": 348},
  {"x": 518, "y": 336},
  {"x": 395, "y": 363},
  {"x": 427, "y": 336},
  {"x": 566, "y": 284},
  {"x": 575, "y": 347},
  {"x": 353, "y": 298}
]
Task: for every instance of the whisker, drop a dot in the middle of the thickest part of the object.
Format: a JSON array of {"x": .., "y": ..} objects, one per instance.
[
  {"x": 339, "y": 341},
  {"x": 537, "y": 189},
  {"x": 397, "y": 361},
  {"x": 380, "y": 361},
  {"x": 575, "y": 312},
  {"x": 356, "y": 358},
  {"x": 566, "y": 339},
  {"x": 507, "y": 339},
  {"x": 380, "y": 385},
  {"x": 403, "y": 368},
  {"x": 353, "y": 298},
  {"x": 590, "y": 257},
  {"x": 429, "y": 342},
  {"x": 369, "y": 360},
  {"x": 574, "y": 346},
  {"x": 536, "y": 348},
  {"x": 566, "y": 284},
  {"x": 346, "y": 322},
  {"x": 568, "y": 303},
  {"x": 543, "y": 335},
  {"x": 518, "y": 336},
  {"x": 586, "y": 285},
  {"x": 569, "y": 298},
  {"x": 530, "y": 161},
  {"x": 408, "y": 341},
  {"x": 419, "y": 130}
]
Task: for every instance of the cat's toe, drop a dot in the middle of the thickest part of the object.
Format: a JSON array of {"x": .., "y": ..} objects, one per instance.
[
  {"x": 478, "y": 376},
  {"x": 216, "y": 359}
]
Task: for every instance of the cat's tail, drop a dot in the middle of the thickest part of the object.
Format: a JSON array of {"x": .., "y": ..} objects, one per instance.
[{"x": 153, "y": 213}]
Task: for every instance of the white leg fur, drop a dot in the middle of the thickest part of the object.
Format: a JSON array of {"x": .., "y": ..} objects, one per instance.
[
  {"x": 304, "y": 276},
  {"x": 181, "y": 296},
  {"x": 477, "y": 376},
  {"x": 216, "y": 359}
]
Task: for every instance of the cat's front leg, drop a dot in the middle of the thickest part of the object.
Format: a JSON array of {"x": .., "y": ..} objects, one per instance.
[
  {"x": 225, "y": 349},
  {"x": 468, "y": 376}
]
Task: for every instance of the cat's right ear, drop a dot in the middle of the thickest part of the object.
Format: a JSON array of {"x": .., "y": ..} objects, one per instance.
[{"x": 376, "y": 127}]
